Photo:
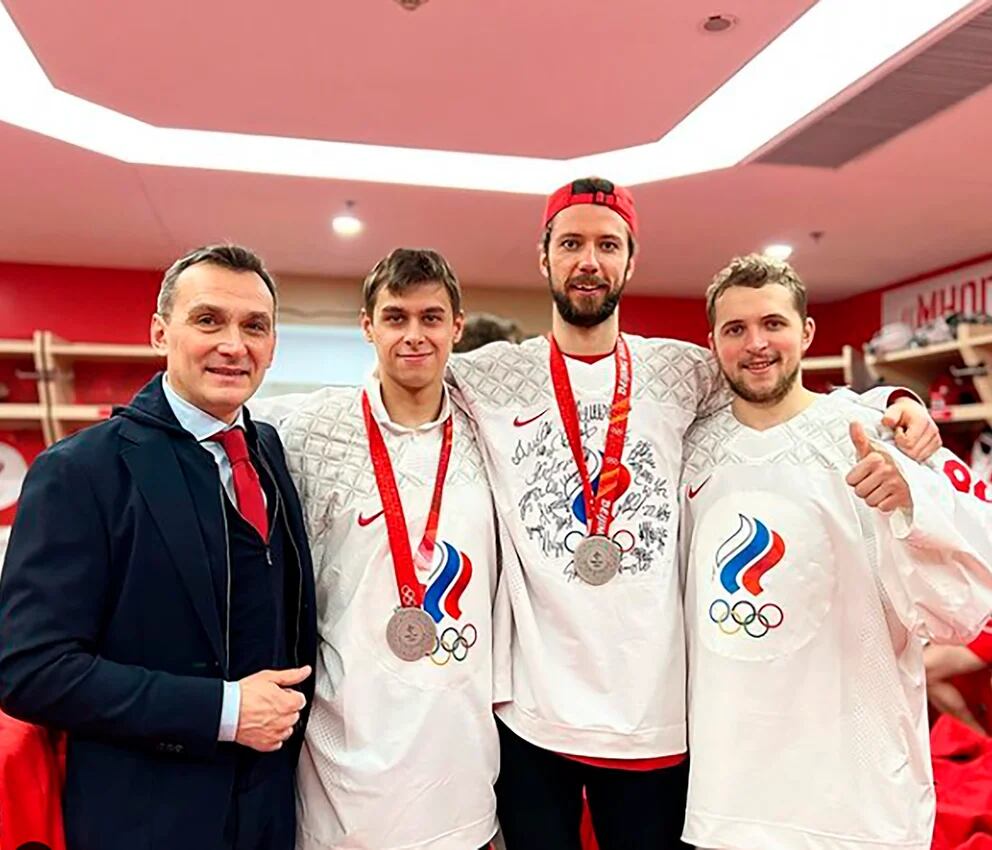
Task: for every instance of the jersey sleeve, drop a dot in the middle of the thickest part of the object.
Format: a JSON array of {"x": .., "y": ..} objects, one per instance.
[
  {"x": 277, "y": 409},
  {"x": 877, "y": 398},
  {"x": 938, "y": 570},
  {"x": 308, "y": 425},
  {"x": 472, "y": 375},
  {"x": 714, "y": 393}
]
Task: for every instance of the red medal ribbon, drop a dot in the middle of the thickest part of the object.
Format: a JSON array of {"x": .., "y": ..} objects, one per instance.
[
  {"x": 599, "y": 507},
  {"x": 411, "y": 590}
]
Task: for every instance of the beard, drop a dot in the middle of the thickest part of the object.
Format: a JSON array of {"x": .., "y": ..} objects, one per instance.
[
  {"x": 770, "y": 396},
  {"x": 590, "y": 317}
]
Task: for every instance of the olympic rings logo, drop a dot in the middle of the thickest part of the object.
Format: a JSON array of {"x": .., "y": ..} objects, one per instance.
[
  {"x": 408, "y": 596},
  {"x": 756, "y": 622},
  {"x": 453, "y": 643}
]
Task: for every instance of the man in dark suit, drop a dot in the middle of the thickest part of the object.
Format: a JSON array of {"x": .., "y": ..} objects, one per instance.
[{"x": 157, "y": 598}]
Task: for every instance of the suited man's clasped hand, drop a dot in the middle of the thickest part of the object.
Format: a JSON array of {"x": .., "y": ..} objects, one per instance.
[{"x": 270, "y": 708}]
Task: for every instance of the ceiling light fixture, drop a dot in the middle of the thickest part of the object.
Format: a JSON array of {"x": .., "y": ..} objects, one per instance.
[
  {"x": 411, "y": 5},
  {"x": 718, "y": 23},
  {"x": 835, "y": 43},
  {"x": 347, "y": 223},
  {"x": 778, "y": 251}
]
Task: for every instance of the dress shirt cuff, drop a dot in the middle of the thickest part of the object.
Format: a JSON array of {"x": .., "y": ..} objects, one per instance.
[{"x": 230, "y": 711}]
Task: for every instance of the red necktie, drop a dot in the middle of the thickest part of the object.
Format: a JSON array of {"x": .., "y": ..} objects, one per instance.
[{"x": 247, "y": 487}]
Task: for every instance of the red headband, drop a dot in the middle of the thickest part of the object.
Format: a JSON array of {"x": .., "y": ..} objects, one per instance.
[{"x": 593, "y": 190}]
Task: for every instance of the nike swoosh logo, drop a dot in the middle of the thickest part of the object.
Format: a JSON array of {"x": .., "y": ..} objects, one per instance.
[
  {"x": 692, "y": 493},
  {"x": 363, "y": 521},
  {"x": 521, "y": 422}
]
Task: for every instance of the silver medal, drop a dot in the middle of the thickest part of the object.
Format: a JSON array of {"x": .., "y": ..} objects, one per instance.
[
  {"x": 597, "y": 559},
  {"x": 411, "y": 634}
]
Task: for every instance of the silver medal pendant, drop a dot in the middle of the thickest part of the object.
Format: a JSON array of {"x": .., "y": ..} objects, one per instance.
[
  {"x": 597, "y": 559},
  {"x": 411, "y": 634}
]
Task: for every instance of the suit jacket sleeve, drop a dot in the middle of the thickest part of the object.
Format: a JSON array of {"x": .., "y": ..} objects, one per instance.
[{"x": 56, "y": 591}]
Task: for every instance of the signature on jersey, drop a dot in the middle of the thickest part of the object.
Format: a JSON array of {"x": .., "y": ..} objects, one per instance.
[{"x": 552, "y": 507}]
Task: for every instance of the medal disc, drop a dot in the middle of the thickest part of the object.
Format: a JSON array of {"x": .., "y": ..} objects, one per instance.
[
  {"x": 597, "y": 559},
  {"x": 411, "y": 634}
]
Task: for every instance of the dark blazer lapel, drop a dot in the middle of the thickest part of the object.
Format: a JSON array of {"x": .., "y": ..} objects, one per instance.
[{"x": 157, "y": 475}]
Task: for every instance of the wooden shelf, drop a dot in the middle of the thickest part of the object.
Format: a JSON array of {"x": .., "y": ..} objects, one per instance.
[
  {"x": 21, "y": 411},
  {"x": 920, "y": 370},
  {"x": 59, "y": 357},
  {"x": 81, "y": 412},
  {"x": 916, "y": 368},
  {"x": 964, "y": 413},
  {"x": 849, "y": 365},
  {"x": 101, "y": 351},
  {"x": 824, "y": 364},
  {"x": 13, "y": 415},
  {"x": 26, "y": 415},
  {"x": 55, "y": 413},
  {"x": 939, "y": 351},
  {"x": 17, "y": 348},
  {"x": 933, "y": 359}
]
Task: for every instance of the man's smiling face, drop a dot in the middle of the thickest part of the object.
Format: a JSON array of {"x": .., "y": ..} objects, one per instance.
[{"x": 218, "y": 339}]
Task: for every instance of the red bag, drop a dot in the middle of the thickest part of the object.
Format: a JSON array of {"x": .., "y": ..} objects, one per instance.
[{"x": 32, "y": 770}]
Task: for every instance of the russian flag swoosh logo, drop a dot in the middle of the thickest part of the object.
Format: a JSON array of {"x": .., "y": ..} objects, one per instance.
[
  {"x": 748, "y": 554},
  {"x": 449, "y": 583}
]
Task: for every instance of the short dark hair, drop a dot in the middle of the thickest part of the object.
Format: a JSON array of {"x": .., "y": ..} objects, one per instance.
[
  {"x": 403, "y": 268},
  {"x": 227, "y": 256},
  {"x": 756, "y": 271},
  {"x": 482, "y": 328}
]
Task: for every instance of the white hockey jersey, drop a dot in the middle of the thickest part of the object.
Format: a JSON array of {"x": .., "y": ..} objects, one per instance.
[
  {"x": 397, "y": 754},
  {"x": 591, "y": 671},
  {"x": 805, "y": 614}
]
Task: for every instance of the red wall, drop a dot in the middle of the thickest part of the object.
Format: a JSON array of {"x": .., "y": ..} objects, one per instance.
[
  {"x": 851, "y": 321},
  {"x": 77, "y": 304},
  {"x": 680, "y": 318}
]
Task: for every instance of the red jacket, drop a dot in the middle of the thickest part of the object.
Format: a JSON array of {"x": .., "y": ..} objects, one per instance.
[{"x": 32, "y": 764}]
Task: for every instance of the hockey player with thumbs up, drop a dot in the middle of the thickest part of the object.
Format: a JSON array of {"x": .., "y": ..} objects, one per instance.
[{"x": 818, "y": 559}]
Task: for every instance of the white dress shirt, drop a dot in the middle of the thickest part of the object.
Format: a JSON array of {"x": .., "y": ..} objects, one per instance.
[{"x": 203, "y": 426}]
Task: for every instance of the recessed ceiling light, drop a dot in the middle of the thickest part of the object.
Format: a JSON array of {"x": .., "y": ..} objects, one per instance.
[
  {"x": 718, "y": 23},
  {"x": 778, "y": 251},
  {"x": 347, "y": 223}
]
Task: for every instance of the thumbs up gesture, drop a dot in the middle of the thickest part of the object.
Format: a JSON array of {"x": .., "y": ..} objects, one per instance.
[{"x": 875, "y": 477}]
